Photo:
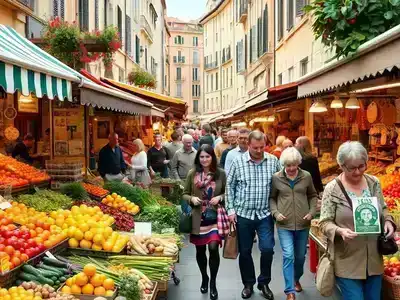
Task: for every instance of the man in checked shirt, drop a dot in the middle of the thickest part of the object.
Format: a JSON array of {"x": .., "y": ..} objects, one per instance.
[{"x": 247, "y": 196}]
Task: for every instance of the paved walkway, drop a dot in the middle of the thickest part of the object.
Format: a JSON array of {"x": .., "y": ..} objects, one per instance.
[{"x": 229, "y": 283}]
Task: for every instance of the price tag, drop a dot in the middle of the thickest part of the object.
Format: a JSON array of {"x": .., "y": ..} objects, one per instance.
[
  {"x": 143, "y": 228},
  {"x": 50, "y": 255},
  {"x": 5, "y": 205}
]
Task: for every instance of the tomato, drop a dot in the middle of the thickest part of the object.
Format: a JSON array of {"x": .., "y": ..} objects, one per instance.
[
  {"x": 15, "y": 261},
  {"x": 31, "y": 243},
  {"x": 30, "y": 252},
  {"x": 9, "y": 250}
]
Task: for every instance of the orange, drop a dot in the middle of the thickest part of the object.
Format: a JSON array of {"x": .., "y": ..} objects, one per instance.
[
  {"x": 88, "y": 289},
  {"x": 66, "y": 289},
  {"x": 81, "y": 279},
  {"x": 99, "y": 291},
  {"x": 98, "y": 239},
  {"x": 73, "y": 243},
  {"x": 75, "y": 289},
  {"x": 107, "y": 246},
  {"x": 69, "y": 282},
  {"x": 85, "y": 244},
  {"x": 88, "y": 235},
  {"x": 89, "y": 270},
  {"x": 109, "y": 284},
  {"x": 97, "y": 280}
]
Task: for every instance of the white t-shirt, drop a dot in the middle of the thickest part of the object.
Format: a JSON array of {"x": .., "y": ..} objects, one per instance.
[{"x": 139, "y": 162}]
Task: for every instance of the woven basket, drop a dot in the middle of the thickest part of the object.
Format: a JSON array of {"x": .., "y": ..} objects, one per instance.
[{"x": 391, "y": 288}]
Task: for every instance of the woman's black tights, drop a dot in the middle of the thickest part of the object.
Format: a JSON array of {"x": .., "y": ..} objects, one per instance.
[{"x": 201, "y": 258}]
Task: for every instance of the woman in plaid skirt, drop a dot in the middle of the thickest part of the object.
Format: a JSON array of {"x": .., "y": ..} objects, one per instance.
[{"x": 204, "y": 190}]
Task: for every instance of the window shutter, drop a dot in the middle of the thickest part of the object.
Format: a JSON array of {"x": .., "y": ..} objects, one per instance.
[
  {"x": 55, "y": 8},
  {"x": 96, "y": 14},
  {"x": 259, "y": 36},
  {"x": 245, "y": 52},
  {"x": 182, "y": 40},
  {"x": 265, "y": 32},
  {"x": 251, "y": 44},
  {"x": 299, "y": 7},
  {"x": 289, "y": 14},
  {"x": 237, "y": 58},
  {"x": 128, "y": 34},
  {"x": 62, "y": 9},
  {"x": 86, "y": 15},
  {"x": 137, "y": 50},
  {"x": 280, "y": 19}
]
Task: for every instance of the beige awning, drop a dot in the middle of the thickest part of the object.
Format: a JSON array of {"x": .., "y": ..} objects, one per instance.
[
  {"x": 371, "y": 59},
  {"x": 156, "y": 112},
  {"x": 257, "y": 99}
]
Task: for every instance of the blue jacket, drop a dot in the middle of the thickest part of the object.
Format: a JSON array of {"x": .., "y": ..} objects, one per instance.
[{"x": 111, "y": 162}]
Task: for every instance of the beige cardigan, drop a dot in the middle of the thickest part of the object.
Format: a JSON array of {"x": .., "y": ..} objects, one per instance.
[{"x": 192, "y": 191}]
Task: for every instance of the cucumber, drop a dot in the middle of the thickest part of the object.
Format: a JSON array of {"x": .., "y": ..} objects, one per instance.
[
  {"x": 55, "y": 263},
  {"x": 31, "y": 270},
  {"x": 57, "y": 283},
  {"x": 27, "y": 277},
  {"x": 44, "y": 280},
  {"x": 63, "y": 279},
  {"x": 54, "y": 278},
  {"x": 51, "y": 270}
]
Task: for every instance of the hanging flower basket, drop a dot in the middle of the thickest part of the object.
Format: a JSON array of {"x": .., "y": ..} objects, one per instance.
[
  {"x": 142, "y": 78},
  {"x": 67, "y": 43}
]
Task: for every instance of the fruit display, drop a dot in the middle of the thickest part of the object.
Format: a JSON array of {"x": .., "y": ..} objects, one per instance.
[
  {"x": 22, "y": 215},
  {"x": 95, "y": 190},
  {"x": 46, "y": 200},
  {"x": 123, "y": 220},
  {"x": 121, "y": 203},
  {"x": 375, "y": 168},
  {"x": 51, "y": 272},
  {"x": 88, "y": 228},
  {"x": 89, "y": 282},
  {"x": 391, "y": 265},
  {"x": 18, "y": 173},
  {"x": 33, "y": 291},
  {"x": 151, "y": 245}
]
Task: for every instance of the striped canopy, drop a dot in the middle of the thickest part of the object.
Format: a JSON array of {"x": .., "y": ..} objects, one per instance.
[{"x": 26, "y": 68}]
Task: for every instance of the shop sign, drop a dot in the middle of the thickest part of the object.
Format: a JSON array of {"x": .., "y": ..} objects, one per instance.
[
  {"x": 28, "y": 104},
  {"x": 366, "y": 215}
]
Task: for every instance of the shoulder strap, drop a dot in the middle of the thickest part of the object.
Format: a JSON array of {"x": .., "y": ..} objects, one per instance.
[{"x": 339, "y": 182}]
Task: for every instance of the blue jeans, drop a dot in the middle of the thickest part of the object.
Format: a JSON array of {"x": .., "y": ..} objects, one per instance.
[
  {"x": 294, "y": 248},
  {"x": 367, "y": 289},
  {"x": 246, "y": 230}
]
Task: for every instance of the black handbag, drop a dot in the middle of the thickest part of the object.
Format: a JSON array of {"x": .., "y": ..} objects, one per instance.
[
  {"x": 385, "y": 246},
  {"x": 210, "y": 214},
  {"x": 185, "y": 222}
]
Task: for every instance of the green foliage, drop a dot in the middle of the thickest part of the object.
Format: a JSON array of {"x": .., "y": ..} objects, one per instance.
[
  {"x": 161, "y": 217},
  {"x": 140, "y": 77},
  {"x": 74, "y": 190},
  {"x": 129, "y": 287},
  {"x": 347, "y": 24}
]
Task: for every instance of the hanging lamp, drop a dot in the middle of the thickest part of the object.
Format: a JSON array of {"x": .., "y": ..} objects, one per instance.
[
  {"x": 352, "y": 103},
  {"x": 336, "y": 103},
  {"x": 318, "y": 107}
]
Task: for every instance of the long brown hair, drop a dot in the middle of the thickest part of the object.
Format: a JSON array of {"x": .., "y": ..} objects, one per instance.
[{"x": 306, "y": 149}]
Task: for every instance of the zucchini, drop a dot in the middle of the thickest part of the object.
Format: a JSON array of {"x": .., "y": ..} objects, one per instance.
[
  {"x": 57, "y": 283},
  {"x": 63, "y": 279},
  {"x": 51, "y": 270},
  {"x": 55, "y": 263},
  {"x": 54, "y": 278},
  {"x": 27, "y": 277}
]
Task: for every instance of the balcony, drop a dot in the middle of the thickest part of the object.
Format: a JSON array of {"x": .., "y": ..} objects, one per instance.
[
  {"x": 211, "y": 65},
  {"x": 196, "y": 80},
  {"x": 27, "y": 3},
  {"x": 179, "y": 59},
  {"x": 226, "y": 55},
  {"x": 243, "y": 11},
  {"x": 179, "y": 79},
  {"x": 146, "y": 28}
]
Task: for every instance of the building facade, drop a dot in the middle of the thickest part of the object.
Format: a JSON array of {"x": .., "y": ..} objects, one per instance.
[
  {"x": 238, "y": 52},
  {"x": 140, "y": 24},
  {"x": 297, "y": 51},
  {"x": 186, "y": 62}
]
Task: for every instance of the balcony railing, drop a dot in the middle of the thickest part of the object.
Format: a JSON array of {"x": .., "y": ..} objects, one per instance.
[
  {"x": 27, "y": 3},
  {"x": 180, "y": 78},
  {"x": 146, "y": 28},
  {"x": 211, "y": 65},
  {"x": 179, "y": 59},
  {"x": 243, "y": 10}
]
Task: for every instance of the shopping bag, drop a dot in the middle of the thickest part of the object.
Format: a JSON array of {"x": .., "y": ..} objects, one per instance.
[
  {"x": 325, "y": 279},
  {"x": 231, "y": 244}
]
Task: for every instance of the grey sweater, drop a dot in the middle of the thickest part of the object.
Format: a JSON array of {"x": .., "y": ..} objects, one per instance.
[{"x": 181, "y": 163}]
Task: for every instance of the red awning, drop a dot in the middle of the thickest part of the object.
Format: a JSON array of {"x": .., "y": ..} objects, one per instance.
[{"x": 283, "y": 87}]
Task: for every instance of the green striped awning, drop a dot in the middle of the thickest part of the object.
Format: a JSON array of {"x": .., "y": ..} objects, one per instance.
[{"x": 26, "y": 68}]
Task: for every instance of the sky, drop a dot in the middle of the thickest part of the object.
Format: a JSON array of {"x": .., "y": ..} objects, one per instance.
[{"x": 186, "y": 10}]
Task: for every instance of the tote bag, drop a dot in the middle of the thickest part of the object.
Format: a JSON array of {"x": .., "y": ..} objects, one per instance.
[
  {"x": 325, "y": 279},
  {"x": 231, "y": 243}
]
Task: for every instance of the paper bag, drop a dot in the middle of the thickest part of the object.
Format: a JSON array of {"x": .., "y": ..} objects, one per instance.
[{"x": 231, "y": 243}]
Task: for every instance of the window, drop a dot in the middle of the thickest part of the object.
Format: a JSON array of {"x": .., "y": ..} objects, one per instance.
[
  {"x": 179, "y": 40},
  {"x": 195, "y": 41},
  {"x": 216, "y": 106},
  {"x": 291, "y": 71},
  {"x": 280, "y": 19},
  {"x": 196, "y": 60},
  {"x": 128, "y": 35},
  {"x": 196, "y": 90},
  {"x": 260, "y": 37},
  {"x": 84, "y": 15},
  {"x": 195, "y": 74},
  {"x": 253, "y": 44},
  {"x": 265, "y": 32},
  {"x": 137, "y": 50},
  {"x": 304, "y": 66},
  {"x": 96, "y": 15},
  {"x": 216, "y": 37},
  {"x": 208, "y": 104},
  {"x": 145, "y": 58},
  {"x": 299, "y": 7},
  {"x": 178, "y": 73},
  {"x": 290, "y": 14},
  {"x": 207, "y": 84},
  {"x": 216, "y": 81},
  {"x": 153, "y": 15},
  {"x": 179, "y": 89},
  {"x": 195, "y": 106},
  {"x": 120, "y": 23},
  {"x": 280, "y": 79},
  {"x": 212, "y": 82},
  {"x": 59, "y": 8},
  {"x": 240, "y": 57}
]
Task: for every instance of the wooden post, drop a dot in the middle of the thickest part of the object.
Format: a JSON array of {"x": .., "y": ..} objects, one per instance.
[
  {"x": 309, "y": 121},
  {"x": 87, "y": 138},
  {"x": 51, "y": 129}
]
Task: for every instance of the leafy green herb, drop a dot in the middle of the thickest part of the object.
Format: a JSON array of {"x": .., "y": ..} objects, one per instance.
[
  {"x": 129, "y": 287},
  {"x": 46, "y": 200},
  {"x": 75, "y": 190},
  {"x": 161, "y": 217}
]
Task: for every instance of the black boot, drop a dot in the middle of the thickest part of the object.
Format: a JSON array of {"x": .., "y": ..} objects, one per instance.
[
  {"x": 213, "y": 291},
  {"x": 204, "y": 285}
]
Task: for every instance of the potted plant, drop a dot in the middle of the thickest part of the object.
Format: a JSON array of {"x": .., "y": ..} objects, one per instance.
[{"x": 141, "y": 78}]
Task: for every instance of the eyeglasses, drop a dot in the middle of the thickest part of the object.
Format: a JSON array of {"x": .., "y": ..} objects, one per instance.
[{"x": 360, "y": 168}]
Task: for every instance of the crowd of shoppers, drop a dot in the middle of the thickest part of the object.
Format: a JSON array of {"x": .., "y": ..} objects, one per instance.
[{"x": 230, "y": 171}]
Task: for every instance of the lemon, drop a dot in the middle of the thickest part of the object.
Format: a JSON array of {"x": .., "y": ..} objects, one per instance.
[
  {"x": 78, "y": 235},
  {"x": 73, "y": 243}
]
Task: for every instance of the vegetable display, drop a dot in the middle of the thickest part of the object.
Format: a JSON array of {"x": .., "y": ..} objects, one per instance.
[
  {"x": 123, "y": 221},
  {"x": 95, "y": 190},
  {"x": 46, "y": 201},
  {"x": 161, "y": 217},
  {"x": 121, "y": 203},
  {"x": 74, "y": 190},
  {"x": 151, "y": 245},
  {"x": 32, "y": 290},
  {"x": 129, "y": 287},
  {"x": 141, "y": 197}
]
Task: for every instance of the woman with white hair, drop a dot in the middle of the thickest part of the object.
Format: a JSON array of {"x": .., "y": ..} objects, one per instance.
[
  {"x": 357, "y": 262},
  {"x": 139, "y": 171},
  {"x": 293, "y": 204}
]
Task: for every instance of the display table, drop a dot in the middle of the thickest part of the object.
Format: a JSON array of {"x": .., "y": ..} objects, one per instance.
[{"x": 316, "y": 250}]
